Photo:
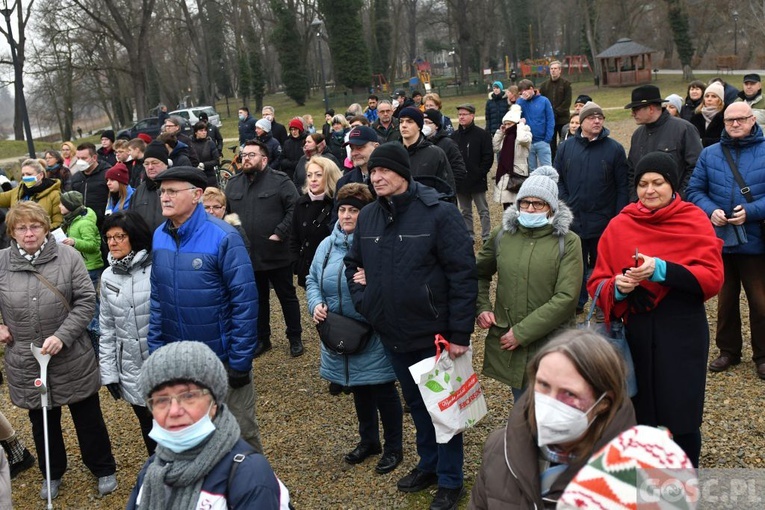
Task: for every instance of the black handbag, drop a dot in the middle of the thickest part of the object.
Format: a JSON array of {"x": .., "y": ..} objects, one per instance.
[
  {"x": 614, "y": 333},
  {"x": 744, "y": 189},
  {"x": 338, "y": 333}
]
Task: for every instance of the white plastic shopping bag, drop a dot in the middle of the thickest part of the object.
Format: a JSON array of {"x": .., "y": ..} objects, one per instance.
[{"x": 450, "y": 390}]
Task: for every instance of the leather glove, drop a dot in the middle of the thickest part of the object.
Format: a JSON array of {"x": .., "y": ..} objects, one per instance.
[
  {"x": 641, "y": 300},
  {"x": 114, "y": 389},
  {"x": 237, "y": 379}
]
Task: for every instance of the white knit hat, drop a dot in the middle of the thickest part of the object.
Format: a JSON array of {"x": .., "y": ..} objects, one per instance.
[
  {"x": 717, "y": 89},
  {"x": 513, "y": 115}
]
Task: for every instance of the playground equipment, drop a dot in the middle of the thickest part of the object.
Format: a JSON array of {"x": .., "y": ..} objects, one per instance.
[{"x": 422, "y": 67}]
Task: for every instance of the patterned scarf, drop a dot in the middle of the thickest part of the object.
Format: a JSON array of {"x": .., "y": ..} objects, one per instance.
[
  {"x": 31, "y": 258},
  {"x": 124, "y": 263}
]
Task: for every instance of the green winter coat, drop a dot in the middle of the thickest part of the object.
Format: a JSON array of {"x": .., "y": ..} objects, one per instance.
[
  {"x": 537, "y": 289},
  {"x": 87, "y": 239}
]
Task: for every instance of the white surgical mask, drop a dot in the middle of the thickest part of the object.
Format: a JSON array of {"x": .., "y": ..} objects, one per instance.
[
  {"x": 394, "y": 103},
  {"x": 426, "y": 130},
  {"x": 242, "y": 117},
  {"x": 559, "y": 423},
  {"x": 533, "y": 220},
  {"x": 184, "y": 439},
  {"x": 79, "y": 166}
]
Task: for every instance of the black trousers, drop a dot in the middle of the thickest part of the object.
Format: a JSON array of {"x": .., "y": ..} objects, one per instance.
[
  {"x": 281, "y": 280},
  {"x": 370, "y": 399},
  {"x": 92, "y": 436},
  {"x": 145, "y": 420}
]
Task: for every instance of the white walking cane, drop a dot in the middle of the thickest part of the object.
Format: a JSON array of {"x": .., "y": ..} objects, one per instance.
[{"x": 41, "y": 383}]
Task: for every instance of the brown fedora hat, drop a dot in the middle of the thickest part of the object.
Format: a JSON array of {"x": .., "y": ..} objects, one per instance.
[{"x": 644, "y": 95}]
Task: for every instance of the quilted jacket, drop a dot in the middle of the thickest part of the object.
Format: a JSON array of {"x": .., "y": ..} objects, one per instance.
[
  {"x": 33, "y": 312},
  {"x": 125, "y": 324}
]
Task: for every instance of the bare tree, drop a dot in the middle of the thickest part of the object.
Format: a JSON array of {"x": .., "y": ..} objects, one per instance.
[{"x": 20, "y": 39}]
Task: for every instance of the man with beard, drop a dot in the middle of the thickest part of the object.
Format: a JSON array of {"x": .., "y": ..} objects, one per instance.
[
  {"x": 264, "y": 199},
  {"x": 145, "y": 200}
]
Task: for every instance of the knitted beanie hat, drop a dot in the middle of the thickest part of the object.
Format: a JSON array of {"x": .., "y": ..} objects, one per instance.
[
  {"x": 264, "y": 124},
  {"x": 297, "y": 124},
  {"x": 72, "y": 200},
  {"x": 119, "y": 173},
  {"x": 675, "y": 101},
  {"x": 590, "y": 108},
  {"x": 184, "y": 361},
  {"x": 413, "y": 113},
  {"x": 717, "y": 89},
  {"x": 393, "y": 156},
  {"x": 434, "y": 116},
  {"x": 108, "y": 134},
  {"x": 498, "y": 84},
  {"x": 513, "y": 114},
  {"x": 641, "y": 467},
  {"x": 541, "y": 183},
  {"x": 156, "y": 150},
  {"x": 661, "y": 163}
]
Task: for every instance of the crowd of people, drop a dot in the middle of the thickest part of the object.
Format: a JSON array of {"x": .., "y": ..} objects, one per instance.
[{"x": 135, "y": 271}]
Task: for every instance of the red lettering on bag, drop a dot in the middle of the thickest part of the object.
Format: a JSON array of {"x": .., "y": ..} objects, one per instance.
[{"x": 461, "y": 392}]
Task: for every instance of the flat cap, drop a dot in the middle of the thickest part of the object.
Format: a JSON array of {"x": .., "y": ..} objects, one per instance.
[{"x": 193, "y": 176}]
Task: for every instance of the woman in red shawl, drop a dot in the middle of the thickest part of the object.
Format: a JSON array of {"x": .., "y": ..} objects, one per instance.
[{"x": 660, "y": 294}]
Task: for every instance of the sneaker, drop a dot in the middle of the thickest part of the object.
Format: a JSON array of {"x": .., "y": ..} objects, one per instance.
[
  {"x": 107, "y": 484},
  {"x": 447, "y": 499},
  {"x": 54, "y": 485},
  {"x": 26, "y": 462},
  {"x": 417, "y": 481}
]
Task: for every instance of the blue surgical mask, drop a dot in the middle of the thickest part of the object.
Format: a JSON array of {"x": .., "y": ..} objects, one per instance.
[
  {"x": 184, "y": 439},
  {"x": 242, "y": 117},
  {"x": 28, "y": 179},
  {"x": 533, "y": 220}
]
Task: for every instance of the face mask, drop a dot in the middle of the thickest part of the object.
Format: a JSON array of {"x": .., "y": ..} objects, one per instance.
[
  {"x": 29, "y": 180},
  {"x": 558, "y": 423},
  {"x": 80, "y": 165},
  {"x": 269, "y": 117},
  {"x": 394, "y": 104},
  {"x": 242, "y": 117},
  {"x": 426, "y": 130},
  {"x": 184, "y": 439},
  {"x": 533, "y": 220}
]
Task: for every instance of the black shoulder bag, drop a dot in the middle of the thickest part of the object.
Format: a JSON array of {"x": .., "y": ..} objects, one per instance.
[
  {"x": 338, "y": 333},
  {"x": 745, "y": 190}
]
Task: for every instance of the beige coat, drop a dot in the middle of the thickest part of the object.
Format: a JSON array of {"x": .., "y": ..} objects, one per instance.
[
  {"x": 33, "y": 312},
  {"x": 520, "y": 161}
]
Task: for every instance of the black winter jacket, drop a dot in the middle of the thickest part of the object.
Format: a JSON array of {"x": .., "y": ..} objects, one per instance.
[
  {"x": 478, "y": 154},
  {"x": 442, "y": 140},
  {"x": 496, "y": 108},
  {"x": 420, "y": 270},
  {"x": 95, "y": 194},
  {"x": 265, "y": 205},
  {"x": 208, "y": 155},
  {"x": 709, "y": 134},
  {"x": 145, "y": 202},
  {"x": 310, "y": 225},
  {"x": 427, "y": 159},
  {"x": 292, "y": 151},
  {"x": 299, "y": 177},
  {"x": 592, "y": 181}
]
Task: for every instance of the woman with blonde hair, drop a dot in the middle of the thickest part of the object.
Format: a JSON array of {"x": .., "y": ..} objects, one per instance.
[
  {"x": 69, "y": 153},
  {"x": 708, "y": 117},
  {"x": 313, "y": 213},
  {"x": 433, "y": 101},
  {"x": 214, "y": 201},
  {"x": 577, "y": 402}
]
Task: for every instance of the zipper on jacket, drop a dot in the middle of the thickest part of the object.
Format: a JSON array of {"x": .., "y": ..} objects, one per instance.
[
  {"x": 430, "y": 301},
  {"x": 414, "y": 236},
  {"x": 375, "y": 238}
]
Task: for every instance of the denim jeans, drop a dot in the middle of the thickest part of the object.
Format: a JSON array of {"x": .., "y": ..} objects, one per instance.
[
  {"x": 539, "y": 155},
  {"x": 443, "y": 459}
]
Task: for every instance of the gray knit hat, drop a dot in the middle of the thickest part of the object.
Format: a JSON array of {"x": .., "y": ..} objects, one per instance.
[
  {"x": 184, "y": 361},
  {"x": 541, "y": 183},
  {"x": 590, "y": 108},
  {"x": 264, "y": 124}
]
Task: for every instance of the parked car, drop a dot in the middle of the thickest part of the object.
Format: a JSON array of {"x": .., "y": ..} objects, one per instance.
[
  {"x": 151, "y": 127},
  {"x": 192, "y": 114}
]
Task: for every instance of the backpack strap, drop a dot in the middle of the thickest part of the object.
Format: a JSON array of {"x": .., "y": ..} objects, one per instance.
[{"x": 235, "y": 462}]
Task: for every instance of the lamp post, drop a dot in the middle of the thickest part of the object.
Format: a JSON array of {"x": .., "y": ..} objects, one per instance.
[
  {"x": 18, "y": 80},
  {"x": 317, "y": 24},
  {"x": 735, "y": 32}
]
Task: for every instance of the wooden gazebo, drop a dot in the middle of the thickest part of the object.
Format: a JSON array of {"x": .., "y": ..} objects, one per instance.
[{"x": 626, "y": 63}]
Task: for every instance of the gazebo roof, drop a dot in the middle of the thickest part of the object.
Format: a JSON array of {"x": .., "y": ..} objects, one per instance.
[{"x": 625, "y": 48}]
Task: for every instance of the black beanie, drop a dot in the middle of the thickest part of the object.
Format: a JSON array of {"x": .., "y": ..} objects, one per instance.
[
  {"x": 156, "y": 150},
  {"x": 108, "y": 134},
  {"x": 413, "y": 113},
  {"x": 660, "y": 163},
  {"x": 393, "y": 156},
  {"x": 435, "y": 117}
]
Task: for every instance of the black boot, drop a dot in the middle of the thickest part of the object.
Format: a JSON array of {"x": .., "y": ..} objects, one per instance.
[
  {"x": 264, "y": 344},
  {"x": 296, "y": 347},
  {"x": 19, "y": 457}
]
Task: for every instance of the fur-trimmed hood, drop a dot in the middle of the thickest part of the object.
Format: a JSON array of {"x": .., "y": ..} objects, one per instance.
[
  {"x": 561, "y": 220},
  {"x": 233, "y": 220}
]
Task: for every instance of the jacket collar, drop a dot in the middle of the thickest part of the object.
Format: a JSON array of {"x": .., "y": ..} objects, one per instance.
[
  {"x": 756, "y": 136},
  {"x": 197, "y": 218},
  {"x": 19, "y": 263},
  {"x": 561, "y": 221}
]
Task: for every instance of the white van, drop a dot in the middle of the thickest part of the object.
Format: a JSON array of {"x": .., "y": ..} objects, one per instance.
[{"x": 192, "y": 115}]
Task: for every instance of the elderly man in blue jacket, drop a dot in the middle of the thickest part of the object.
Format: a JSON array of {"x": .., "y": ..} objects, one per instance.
[
  {"x": 411, "y": 271},
  {"x": 203, "y": 289}
]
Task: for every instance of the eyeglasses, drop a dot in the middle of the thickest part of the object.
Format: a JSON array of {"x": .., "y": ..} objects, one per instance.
[
  {"x": 253, "y": 155},
  {"x": 740, "y": 120},
  {"x": 209, "y": 208},
  {"x": 596, "y": 117},
  {"x": 118, "y": 238},
  {"x": 171, "y": 192},
  {"x": 186, "y": 400},
  {"x": 532, "y": 204},
  {"x": 23, "y": 229}
]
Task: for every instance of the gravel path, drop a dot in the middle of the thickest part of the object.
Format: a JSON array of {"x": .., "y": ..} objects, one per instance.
[{"x": 306, "y": 431}]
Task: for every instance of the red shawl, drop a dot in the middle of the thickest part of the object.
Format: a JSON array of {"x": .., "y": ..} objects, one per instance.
[{"x": 679, "y": 233}]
